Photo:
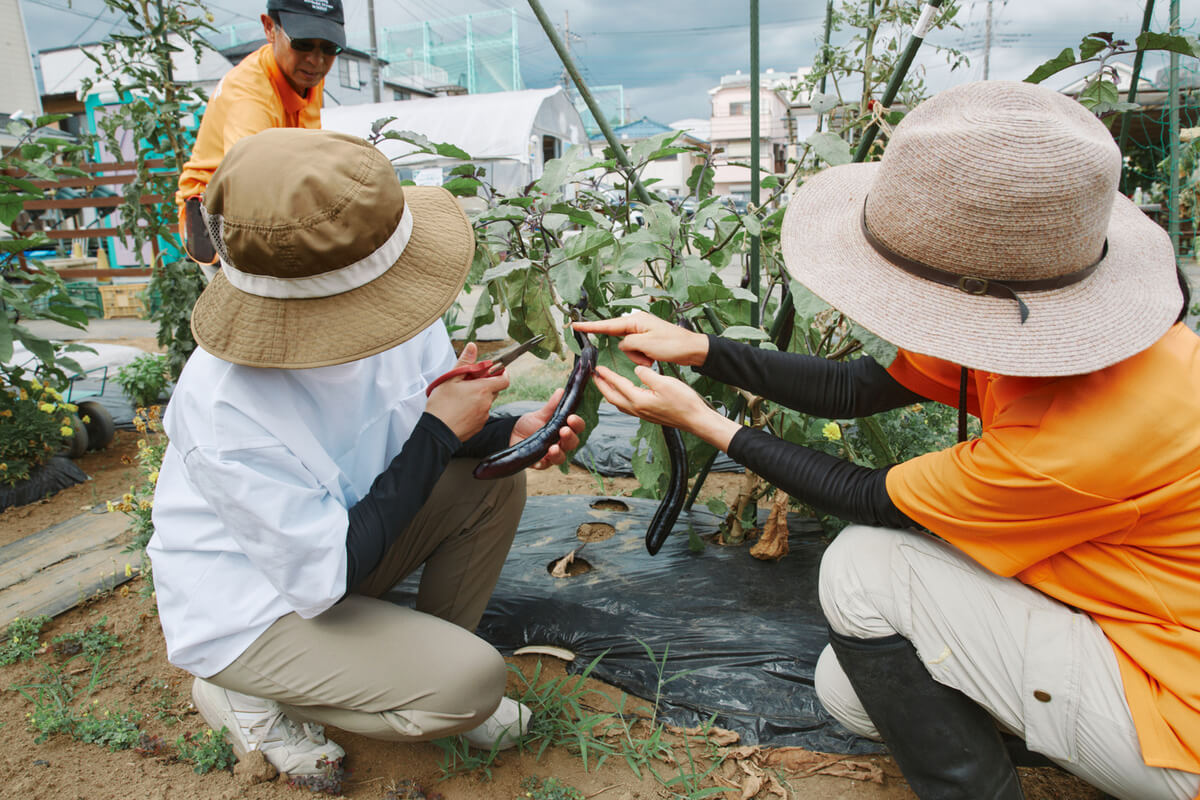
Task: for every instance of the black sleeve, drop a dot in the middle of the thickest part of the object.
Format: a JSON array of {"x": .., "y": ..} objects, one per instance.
[
  {"x": 810, "y": 384},
  {"x": 492, "y": 439},
  {"x": 396, "y": 496},
  {"x": 831, "y": 484}
]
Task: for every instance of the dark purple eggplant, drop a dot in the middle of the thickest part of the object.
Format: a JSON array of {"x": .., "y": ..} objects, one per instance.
[{"x": 533, "y": 449}]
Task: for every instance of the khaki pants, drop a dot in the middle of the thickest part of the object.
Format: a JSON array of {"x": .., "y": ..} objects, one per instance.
[
  {"x": 388, "y": 672},
  {"x": 1044, "y": 671}
]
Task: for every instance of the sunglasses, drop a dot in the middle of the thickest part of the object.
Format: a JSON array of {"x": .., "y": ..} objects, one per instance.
[{"x": 308, "y": 45}]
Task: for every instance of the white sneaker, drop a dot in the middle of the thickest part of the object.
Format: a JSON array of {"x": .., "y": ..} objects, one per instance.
[
  {"x": 252, "y": 723},
  {"x": 503, "y": 729}
]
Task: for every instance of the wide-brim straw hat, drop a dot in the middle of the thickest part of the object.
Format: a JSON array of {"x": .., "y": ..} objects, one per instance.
[
  {"x": 325, "y": 257},
  {"x": 991, "y": 235}
]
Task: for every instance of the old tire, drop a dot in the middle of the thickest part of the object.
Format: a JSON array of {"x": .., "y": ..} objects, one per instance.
[
  {"x": 77, "y": 445},
  {"x": 99, "y": 424}
]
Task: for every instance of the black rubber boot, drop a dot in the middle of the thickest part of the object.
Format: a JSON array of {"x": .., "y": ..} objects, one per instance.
[{"x": 948, "y": 747}]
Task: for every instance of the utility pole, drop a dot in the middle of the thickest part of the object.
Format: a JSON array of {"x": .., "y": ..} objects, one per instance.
[
  {"x": 987, "y": 40},
  {"x": 374, "y": 51},
  {"x": 567, "y": 36}
]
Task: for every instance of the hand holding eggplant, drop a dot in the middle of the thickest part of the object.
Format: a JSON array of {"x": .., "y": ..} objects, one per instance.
[
  {"x": 548, "y": 444},
  {"x": 568, "y": 435}
]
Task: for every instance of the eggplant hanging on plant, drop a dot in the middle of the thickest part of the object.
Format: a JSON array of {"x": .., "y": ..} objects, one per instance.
[
  {"x": 533, "y": 449},
  {"x": 672, "y": 503}
]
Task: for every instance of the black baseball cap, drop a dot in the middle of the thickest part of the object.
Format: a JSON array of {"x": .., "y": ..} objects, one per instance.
[{"x": 311, "y": 19}]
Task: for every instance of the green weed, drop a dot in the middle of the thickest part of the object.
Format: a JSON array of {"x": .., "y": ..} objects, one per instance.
[
  {"x": 536, "y": 788},
  {"x": 21, "y": 639},
  {"x": 206, "y": 751},
  {"x": 92, "y": 643}
]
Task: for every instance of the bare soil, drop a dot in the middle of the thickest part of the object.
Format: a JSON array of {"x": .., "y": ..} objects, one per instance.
[{"x": 141, "y": 678}]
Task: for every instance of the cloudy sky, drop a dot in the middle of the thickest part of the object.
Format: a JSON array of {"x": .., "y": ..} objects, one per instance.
[{"x": 668, "y": 53}]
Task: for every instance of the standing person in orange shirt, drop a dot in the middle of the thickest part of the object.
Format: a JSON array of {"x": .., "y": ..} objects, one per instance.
[
  {"x": 1058, "y": 599},
  {"x": 277, "y": 86}
]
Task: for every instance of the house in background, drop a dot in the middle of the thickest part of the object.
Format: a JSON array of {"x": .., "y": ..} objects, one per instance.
[
  {"x": 672, "y": 172},
  {"x": 782, "y": 120},
  {"x": 18, "y": 90}
]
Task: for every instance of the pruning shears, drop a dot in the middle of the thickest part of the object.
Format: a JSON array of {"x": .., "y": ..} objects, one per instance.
[{"x": 487, "y": 368}]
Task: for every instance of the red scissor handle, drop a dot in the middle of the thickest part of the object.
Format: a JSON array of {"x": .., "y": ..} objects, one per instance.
[{"x": 468, "y": 372}]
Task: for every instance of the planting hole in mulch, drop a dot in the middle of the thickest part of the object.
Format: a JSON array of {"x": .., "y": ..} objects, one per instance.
[
  {"x": 610, "y": 505},
  {"x": 570, "y": 566},
  {"x": 595, "y": 532}
]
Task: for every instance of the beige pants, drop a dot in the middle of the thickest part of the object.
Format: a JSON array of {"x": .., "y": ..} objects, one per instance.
[
  {"x": 389, "y": 672},
  {"x": 1044, "y": 671}
]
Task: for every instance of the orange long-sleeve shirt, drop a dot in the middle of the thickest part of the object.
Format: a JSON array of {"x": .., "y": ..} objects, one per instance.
[
  {"x": 1087, "y": 488},
  {"x": 252, "y": 97}
]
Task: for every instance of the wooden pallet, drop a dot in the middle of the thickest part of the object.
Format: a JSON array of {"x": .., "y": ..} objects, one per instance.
[{"x": 55, "y": 570}]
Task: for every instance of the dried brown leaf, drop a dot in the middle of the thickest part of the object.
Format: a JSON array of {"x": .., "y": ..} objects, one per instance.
[
  {"x": 855, "y": 770},
  {"x": 773, "y": 544}
]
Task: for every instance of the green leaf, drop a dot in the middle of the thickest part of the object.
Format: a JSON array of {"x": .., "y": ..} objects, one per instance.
[
  {"x": 10, "y": 209},
  {"x": 656, "y": 147},
  {"x": 447, "y": 150},
  {"x": 1184, "y": 45},
  {"x": 881, "y": 350},
  {"x": 462, "y": 187},
  {"x": 700, "y": 184},
  {"x": 650, "y": 461},
  {"x": 1093, "y": 44},
  {"x": 380, "y": 124},
  {"x": 505, "y": 268},
  {"x": 691, "y": 271},
  {"x": 1055, "y": 65},
  {"x": 823, "y": 102},
  {"x": 6, "y": 340},
  {"x": 485, "y": 313},
  {"x": 753, "y": 226},
  {"x": 807, "y": 304},
  {"x": 586, "y": 243},
  {"x": 1099, "y": 92},
  {"x": 744, "y": 333},
  {"x": 830, "y": 147},
  {"x": 568, "y": 278}
]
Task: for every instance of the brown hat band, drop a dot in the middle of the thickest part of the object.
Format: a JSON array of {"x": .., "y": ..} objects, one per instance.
[{"x": 978, "y": 286}]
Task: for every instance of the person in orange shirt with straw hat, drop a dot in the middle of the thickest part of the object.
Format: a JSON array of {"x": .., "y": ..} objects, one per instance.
[
  {"x": 279, "y": 85},
  {"x": 1057, "y": 600}
]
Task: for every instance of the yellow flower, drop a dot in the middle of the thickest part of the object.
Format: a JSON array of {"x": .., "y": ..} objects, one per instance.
[
  {"x": 36, "y": 385},
  {"x": 128, "y": 571},
  {"x": 46, "y": 407},
  {"x": 832, "y": 431},
  {"x": 154, "y": 476},
  {"x": 109, "y": 505},
  {"x": 145, "y": 505},
  {"x": 66, "y": 430},
  {"x": 3, "y": 467},
  {"x": 6, "y": 412}
]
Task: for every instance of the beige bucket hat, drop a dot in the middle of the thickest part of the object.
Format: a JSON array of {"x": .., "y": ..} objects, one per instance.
[
  {"x": 991, "y": 235},
  {"x": 325, "y": 257}
]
